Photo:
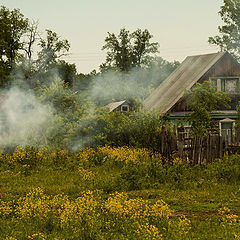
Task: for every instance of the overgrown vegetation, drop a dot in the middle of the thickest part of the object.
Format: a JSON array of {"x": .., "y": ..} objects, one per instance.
[
  {"x": 112, "y": 193},
  {"x": 202, "y": 100},
  {"x": 85, "y": 173}
]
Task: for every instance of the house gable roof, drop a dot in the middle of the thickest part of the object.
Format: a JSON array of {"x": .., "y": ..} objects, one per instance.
[
  {"x": 166, "y": 95},
  {"x": 114, "y": 105}
]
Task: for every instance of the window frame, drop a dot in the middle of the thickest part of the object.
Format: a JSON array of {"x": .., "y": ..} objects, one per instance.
[
  {"x": 227, "y": 120},
  {"x": 123, "y": 107},
  {"x": 220, "y": 83}
]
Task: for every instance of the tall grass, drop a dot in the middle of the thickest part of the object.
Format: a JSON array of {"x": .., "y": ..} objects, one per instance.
[{"x": 64, "y": 195}]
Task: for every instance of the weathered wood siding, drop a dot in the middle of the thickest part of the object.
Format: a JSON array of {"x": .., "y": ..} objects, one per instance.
[{"x": 227, "y": 66}]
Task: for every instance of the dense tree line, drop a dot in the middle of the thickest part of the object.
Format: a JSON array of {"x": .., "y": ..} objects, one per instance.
[{"x": 74, "y": 100}]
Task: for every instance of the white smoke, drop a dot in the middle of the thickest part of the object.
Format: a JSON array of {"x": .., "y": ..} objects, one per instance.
[
  {"x": 22, "y": 119},
  {"x": 30, "y": 119},
  {"x": 117, "y": 86},
  {"x": 137, "y": 83}
]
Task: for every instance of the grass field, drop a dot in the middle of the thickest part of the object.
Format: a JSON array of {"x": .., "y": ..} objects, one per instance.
[{"x": 116, "y": 193}]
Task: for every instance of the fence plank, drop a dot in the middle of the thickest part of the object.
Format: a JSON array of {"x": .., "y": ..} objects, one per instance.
[{"x": 198, "y": 150}]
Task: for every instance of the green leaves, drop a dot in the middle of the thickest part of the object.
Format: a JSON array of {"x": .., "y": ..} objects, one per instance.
[
  {"x": 128, "y": 50},
  {"x": 52, "y": 48},
  {"x": 13, "y": 26},
  {"x": 142, "y": 48},
  {"x": 18, "y": 37},
  {"x": 202, "y": 100},
  {"x": 205, "y": 96},
  {"x": 229, "y": 34}
]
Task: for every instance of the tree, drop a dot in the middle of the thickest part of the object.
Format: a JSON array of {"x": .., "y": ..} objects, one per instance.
[
  {"x": 128, "y": 50},
  {"x": 84, "y": 81},
  {"x": 67, "y": 72},
  {"x": 18, "y": 39},
  {"x": 229, "y": 34},
  {"x": 119, "y": 53},
  {"x": 142, "y": 48},
  {"x": 159, "y": 70},
  {"x": 52, "y": 48},
  {"x": 61, "y": 98},
  {"x": 13, "y": 26},
  {"x": 48, "y": 59},
  {"x": 202, "y": 100},
  {"x": 32, "y": 36}
]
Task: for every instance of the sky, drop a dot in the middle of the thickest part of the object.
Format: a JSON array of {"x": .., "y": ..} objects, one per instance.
[{"x": 181, "y": 27}]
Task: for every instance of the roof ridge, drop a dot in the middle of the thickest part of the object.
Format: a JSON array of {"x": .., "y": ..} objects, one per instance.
[
  {"x": 205, "y": 54},
  {"x": 165, "y": 96}
]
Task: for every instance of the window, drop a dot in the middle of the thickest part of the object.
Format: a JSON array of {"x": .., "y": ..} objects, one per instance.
[
  {"x": 124, "y": 108},
  {"x": 214, "y": 82},
  {"x": 184, "y": 132},
  {"x": 226, "y": 84},
  {"x": 227, "y": 129}
]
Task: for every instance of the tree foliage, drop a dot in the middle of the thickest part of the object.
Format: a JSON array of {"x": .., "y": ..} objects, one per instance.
[
  {"x": 67, "y": 72},
  {"x": 19, "y": 38},
  {"x": 48, "y": 61},
  {"x": 61, "y": 98},
  {"x": 13, "y": 26},
  {"x": 159, "y": 70},
  {"x": 66, "y": 112},
  {"x": 202, "y": 100},
  {"x": 128, "y": 50},
  {"x": 229, "y": 34},
  {"x": 52, "y": 48},
  {"x": 117, "y": 129}
]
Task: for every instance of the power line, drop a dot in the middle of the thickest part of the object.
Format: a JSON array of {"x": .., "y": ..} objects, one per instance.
[
  {"x": 164, "y": 52},
  {"x": 161, "y": 49}
]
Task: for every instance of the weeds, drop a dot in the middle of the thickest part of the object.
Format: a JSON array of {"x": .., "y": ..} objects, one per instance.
[{"x": 85, "y": 195}]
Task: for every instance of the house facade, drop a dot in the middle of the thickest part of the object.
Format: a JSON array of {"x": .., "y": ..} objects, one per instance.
[
  {"x": 122, "y": 106},
  {"x": 220, "y": 68}
]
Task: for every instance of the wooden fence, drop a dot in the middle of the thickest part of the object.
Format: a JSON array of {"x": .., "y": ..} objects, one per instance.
[{"x": 197, "y": 150}]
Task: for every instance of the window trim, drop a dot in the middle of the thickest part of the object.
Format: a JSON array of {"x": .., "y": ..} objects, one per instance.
[
  {"x": 123, "y": 107},
  {"x": 220, "y": 83},
  {"x": 227, "y": 120}
]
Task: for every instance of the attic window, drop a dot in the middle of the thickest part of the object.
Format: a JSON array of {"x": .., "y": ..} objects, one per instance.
[
  {"x": 226, "y": 84},
  {"x": 124, "y": 108}
]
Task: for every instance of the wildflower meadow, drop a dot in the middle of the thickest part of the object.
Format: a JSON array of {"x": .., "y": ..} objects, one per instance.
[{"x": 116, "y": 193}]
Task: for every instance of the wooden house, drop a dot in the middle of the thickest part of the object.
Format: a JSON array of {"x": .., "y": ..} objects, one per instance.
[
  {"x": 122, "y": 106},
  {"x": 220, "y": 68}
]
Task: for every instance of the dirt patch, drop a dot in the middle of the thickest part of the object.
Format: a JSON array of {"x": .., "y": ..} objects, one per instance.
[{"x": 199, "y": 213}]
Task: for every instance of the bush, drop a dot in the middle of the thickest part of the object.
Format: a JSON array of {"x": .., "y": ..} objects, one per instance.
[
  {"x": 122, "y": 168},
  {"x": 226, "y": 170},
  {"x": 141, "y": 130}
]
